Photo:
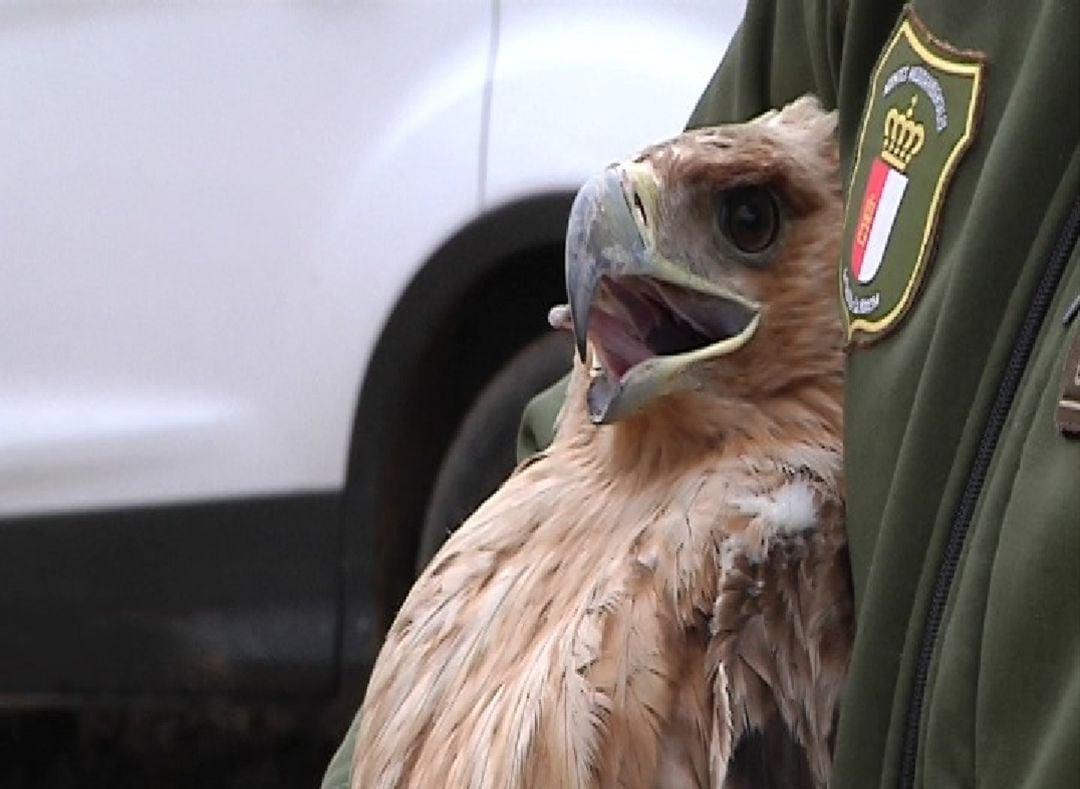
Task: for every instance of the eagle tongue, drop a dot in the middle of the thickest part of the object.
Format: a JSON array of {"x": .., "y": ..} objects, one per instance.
[{"x": 618, "y": 348}]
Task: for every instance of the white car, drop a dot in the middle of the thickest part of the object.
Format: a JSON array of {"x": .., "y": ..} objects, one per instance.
[{"x": 270, "y": 275}]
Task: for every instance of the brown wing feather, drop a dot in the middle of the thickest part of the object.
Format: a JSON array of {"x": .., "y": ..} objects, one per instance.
[{"x": 784, "y": 625}]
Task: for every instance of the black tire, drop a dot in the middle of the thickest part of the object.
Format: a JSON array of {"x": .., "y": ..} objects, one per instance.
[{"x": 481, "y": 454}]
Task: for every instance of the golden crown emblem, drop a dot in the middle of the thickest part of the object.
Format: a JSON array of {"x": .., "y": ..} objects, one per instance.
[{"x": 904, "y": 136}]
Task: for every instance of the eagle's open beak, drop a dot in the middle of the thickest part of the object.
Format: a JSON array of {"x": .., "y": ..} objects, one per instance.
[
  {"x": 602, "y": 237},
  {"x": 655, "y": 317}
]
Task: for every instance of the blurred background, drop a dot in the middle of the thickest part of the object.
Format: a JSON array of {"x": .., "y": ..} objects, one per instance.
[{"x": 274, "y": 280}]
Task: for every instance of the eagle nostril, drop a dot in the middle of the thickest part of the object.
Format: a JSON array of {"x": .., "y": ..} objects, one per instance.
[{"x": 640, "y": 208}]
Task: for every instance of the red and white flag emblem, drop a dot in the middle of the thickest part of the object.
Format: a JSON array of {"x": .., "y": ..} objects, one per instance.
[{"x": 884, "y": 189}]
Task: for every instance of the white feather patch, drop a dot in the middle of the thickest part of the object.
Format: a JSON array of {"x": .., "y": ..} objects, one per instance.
[{"x": 788, "y": 509}]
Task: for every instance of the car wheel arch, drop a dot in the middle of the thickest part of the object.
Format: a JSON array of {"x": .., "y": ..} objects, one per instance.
[{"x": 433, "y": 356}]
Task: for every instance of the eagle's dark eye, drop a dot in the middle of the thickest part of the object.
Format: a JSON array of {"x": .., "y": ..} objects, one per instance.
[{"x": 749, "y": 217}]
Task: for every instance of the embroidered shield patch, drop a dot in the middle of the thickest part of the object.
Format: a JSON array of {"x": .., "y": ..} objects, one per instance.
[{"x": 919, "y": 119}]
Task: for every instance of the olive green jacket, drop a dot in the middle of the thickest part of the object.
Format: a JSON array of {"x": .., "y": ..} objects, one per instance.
[{"x": 963, "y": 490}]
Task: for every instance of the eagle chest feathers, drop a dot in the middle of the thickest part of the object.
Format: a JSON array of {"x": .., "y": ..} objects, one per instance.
[{"x": 662, "y": 598}]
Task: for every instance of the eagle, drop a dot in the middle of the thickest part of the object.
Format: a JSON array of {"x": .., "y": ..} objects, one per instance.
[{"x": 662, "y": 598}]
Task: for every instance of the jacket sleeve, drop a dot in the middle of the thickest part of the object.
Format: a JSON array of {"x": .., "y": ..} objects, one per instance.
[
  {"x": 783, "y": 49},
  {"x": 337, "y": 775}
]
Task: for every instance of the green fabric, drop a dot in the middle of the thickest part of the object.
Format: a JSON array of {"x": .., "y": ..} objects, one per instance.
[
  {"x": 538, "y": 422},
  {"x": 1002, "y": 707},
  {"x": 337, "y": 772}
]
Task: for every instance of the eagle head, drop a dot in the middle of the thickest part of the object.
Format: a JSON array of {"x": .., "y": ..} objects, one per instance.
[{"x": 706, "y": 264}]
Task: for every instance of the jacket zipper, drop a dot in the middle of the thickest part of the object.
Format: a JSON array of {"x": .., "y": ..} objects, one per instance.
[{"x": 1010, "y": 382}]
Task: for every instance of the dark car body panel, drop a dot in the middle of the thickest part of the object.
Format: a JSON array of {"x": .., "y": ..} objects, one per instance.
[{"x": 235, "y": 598}]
